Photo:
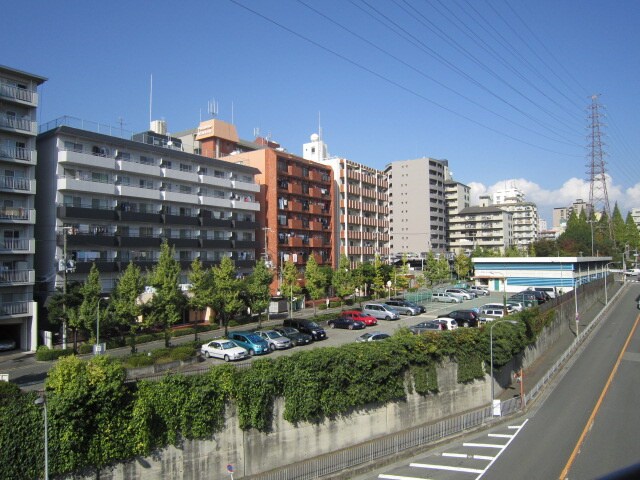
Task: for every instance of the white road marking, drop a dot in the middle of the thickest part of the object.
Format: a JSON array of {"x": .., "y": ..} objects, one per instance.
[
  {"x": 503, "y": 449},
  {"x": 400, "y": 477},
  {"x": 500, "y": 435},
  {"x": 446, "y": 467},
  {"x": 483, "y": 445}
]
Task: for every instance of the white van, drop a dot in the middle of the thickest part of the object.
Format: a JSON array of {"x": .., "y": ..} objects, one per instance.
[{"x": 551, "y": 291}]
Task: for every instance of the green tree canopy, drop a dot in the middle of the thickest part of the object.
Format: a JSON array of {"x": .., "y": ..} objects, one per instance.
[
  {"x": 343, "y": 280},
  {"x": 125, "y": 301},
  {"x": 258, "y": 289},
  {"x": 315, "y": 281},
  {"x": 227, "y": 289}
]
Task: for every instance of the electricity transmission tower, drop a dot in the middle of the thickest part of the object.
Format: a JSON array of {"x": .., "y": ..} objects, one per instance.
[{"x": 598, "y": 197}]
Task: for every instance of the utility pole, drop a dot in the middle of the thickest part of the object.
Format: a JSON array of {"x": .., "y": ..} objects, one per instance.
[
  {"x": 266, "y": 252},
  {"x": 64, "y": 288}
]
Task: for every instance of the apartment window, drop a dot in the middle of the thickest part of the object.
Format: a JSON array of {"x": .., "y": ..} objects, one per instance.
[
  {"x": 146, "y": 231},
  {"x": 166, "y": 164},
  {"x": 185, "y": 167},
  {"x": 147, "y": 160},
  {"x": 218, "y": 174},
  {"x": 185, "y": 189},
  {"x": 124, "y": 180},
  {"x": 74, "y": 147},
  {"x": 145, "y": 183},
  {"x": 282, "y": 220},
  {"x": 71, "y": 201},
  {"x": 246, "y": 178},
  {"x": 99, "y": 177},
  {"x": 202, "y": 170},
  {"x": 185, "y": 212},
  {"x": 123, "y": 156},
  {"x": 185, "y": 255},
  {"x": 305, "y": 171},
  {"x": 247, "y": 236}
]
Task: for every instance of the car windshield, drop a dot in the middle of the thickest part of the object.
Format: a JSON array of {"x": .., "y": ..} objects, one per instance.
[
  {"x": 227, "y": 345},
  {"x": 314, "y": 325},
  {"x": 290, "y": 330},
  {"x": 366, "y": 336},
  {"x": 254, "y": 338},
  {"x": 273, "y": 334}
]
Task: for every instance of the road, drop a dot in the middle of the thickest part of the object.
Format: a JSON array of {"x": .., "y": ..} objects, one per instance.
[
  {"x": 30, "y": 374},
  {"x": 585, "y": 427}
]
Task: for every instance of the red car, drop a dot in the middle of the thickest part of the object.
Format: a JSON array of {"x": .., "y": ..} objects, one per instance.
[{"x": 361, "y": 317}]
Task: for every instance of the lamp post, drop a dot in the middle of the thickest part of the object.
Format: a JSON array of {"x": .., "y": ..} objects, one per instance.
[
  {"x": 493, "y": 324},
  {"x": 98, "y": 349},
  {"x": 42, "y": 401}
]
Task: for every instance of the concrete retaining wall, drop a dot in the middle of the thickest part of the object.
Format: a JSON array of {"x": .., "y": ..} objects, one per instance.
[{"x": 253, "y": 452}]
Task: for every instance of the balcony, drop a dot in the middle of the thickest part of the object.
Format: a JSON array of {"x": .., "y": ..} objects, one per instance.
[
  {"x": 127, "y": 166},
  {"x": 15, "y": 309},
  {"x": 294, "y": 171},
  {"x": 245, "y": 186},
  {"x": 19, "y": 94},
  {"x": 317, "y": 242},
  {"x": 215, "y": 201},
  {"x": 215, "y": 222},
  {"x": 11, "y": 123},
  {"x": 172, "y": 174},
  {"x": 132, "y": 241},
  {"x": 17, "y": 215},
  {"x": 66, "y": 157},
  {"x": 18, "y": 245},
  {"x": 86, "y": 184},
  {"x": 137, "y": 192},
  {"x": 178, "y": 197},
  {"x": 294, "y": 223},
  {"x": 179, "y": 220},
  {"x": 86, "y": 239},
  {"x": 103, "y": 266},
  {"x": 296, "y": 241},
  {"x": 17, "y": 185},
  {"x": 245, "y": 263},
  {"x": 17, "y": 277},
  {"x": 142, "y": 217},
  {"x": 18, "y": 154},
  {"x": 246, "y": 204},
  {"x": 215, "y": 243},
  {"x": 183, "y": 242},
  {"x": 244, "y": 244},
  {"x": 87, "y": 212},
  {"x": 216, "y": 181},
  {"x": 245, "y": 224},
  {"x": 295, "y": 188}
]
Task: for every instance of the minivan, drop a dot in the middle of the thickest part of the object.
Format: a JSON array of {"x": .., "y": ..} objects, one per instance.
[
  {"x": 550, "y": 291},
  {"x": 402, "y": 307},
  {"x": 380, "y": 311},
  {"x": 446, "y": 297},
  {"x": 251, "y": 342}
]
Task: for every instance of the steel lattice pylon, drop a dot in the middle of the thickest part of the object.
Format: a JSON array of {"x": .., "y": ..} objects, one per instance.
[{"x": 598, "y": 197}]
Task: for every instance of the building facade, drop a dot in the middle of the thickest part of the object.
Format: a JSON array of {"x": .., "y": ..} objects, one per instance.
[
  {"x": 525, "y": 216},
  {"x": 362, "y": 228},
  {"x": 417, "y": 207},
  {"x": 110, "y": 201},
  {"x": 18, "y": 159},
  {"x": 297, "y": 207},
  {"x": 488, "y": 227}
]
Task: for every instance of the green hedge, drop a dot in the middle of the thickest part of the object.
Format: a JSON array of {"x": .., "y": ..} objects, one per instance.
[
  {"x": 44, "y": 353},
  {"x": 95, "y": 418}
]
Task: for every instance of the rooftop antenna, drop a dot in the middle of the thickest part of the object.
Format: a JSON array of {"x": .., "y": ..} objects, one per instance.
[
  {"x": 121, "y": 122},
  {"x": 231, "y": 113},
  {"x": 319, "y": 128},
  {"x": 150, "y": 98},
  {"x": 256, "y": 132},
  {"x": 212, "y": 108}
]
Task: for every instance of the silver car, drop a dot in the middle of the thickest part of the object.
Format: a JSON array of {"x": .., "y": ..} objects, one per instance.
[
  {"x": 380, "y": 311},
  {"x": 276, "y": 340}
]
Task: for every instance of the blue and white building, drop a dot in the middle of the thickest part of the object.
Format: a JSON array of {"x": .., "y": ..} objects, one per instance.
[{"x": 514, "y": 274}]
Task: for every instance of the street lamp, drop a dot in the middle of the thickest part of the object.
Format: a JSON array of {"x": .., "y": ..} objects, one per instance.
[
  {"x": 493, "y": 324},
  {"x": 98, "y": 349},
  {"x": 42, "y": 401}
]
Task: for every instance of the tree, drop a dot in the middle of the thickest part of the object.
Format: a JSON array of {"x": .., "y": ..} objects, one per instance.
[
  {"x": 226, "y": 292},
  {"x": 258, "y": 289},
  {"x": 378, "y": 284},
  {"x": 343, "y": 280},
  {"x": 56, "y": 307},
  {"x": 167, "y": 304},
  {"x": 401, "y": 275},
  {"x": 125, "y": 301},
  {"x": 290, "y": 285},
  {"x": 619, "y": 226},
  {"x": 463, "y": 266},
  {"x": 314, "y": 281},
  {"x": 200, "y": 292},
  {"x": 544, "y": 248},
  {"x": 88, "y": 311},
  {"x": 632, "y": 233},
  {"x": 443, "y": 271}
]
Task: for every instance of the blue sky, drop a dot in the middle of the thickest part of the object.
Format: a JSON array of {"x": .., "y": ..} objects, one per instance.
[{"x": 500, "y": 88}]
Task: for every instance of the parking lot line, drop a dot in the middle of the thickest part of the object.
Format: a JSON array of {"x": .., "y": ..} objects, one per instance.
[
  {"x": 446, "y": 467},
  {"x": 400, "y": 477}
]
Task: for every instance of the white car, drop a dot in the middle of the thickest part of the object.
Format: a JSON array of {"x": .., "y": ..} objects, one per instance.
[
  {"x": 446, "y": 297},
  {"x": 224, "y": 349},
  {"x": 479, "y": 290},
  {"x": 459, "y": 291},
  {"x": 517, "y": 306}
]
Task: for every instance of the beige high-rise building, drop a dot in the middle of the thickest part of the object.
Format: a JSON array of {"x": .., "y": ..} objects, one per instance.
[
  {"x": 18, "y": 130},
  {"x": 417, "y": 207},
  {"x": 488, "y": 227}
]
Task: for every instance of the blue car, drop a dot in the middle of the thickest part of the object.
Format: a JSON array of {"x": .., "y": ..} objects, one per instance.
[{"x": 252, "y": 342}]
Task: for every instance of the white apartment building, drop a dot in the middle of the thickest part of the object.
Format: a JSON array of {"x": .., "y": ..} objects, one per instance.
[
  {"x": 488, "y": 227},
  {"x": 18, "y": 159},
  {"x": 635, "y": 214},
  {"x": 362, "y": 231},
  {"x": 110, "y": 201},
  {"x": 525, "y": 215},
  {"x": 417, "y": 207}
]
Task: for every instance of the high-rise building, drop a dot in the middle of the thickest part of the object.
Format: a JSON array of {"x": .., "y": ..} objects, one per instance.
[
  {"x": 361, "y": 200},
  {"x": 489, "y": 227},
  {"x": 18, "y": 158},
  {"x": 108, "y": 201},
  {"x": 417, "y": 207},
  {"x": 525, "y": 215}
]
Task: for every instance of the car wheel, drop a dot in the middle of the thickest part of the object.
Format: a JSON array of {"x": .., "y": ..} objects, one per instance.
[
  {"x": 387, "y": 317},
  {"x": 206, "y": 355},
  {"x": 465, "y": 324},
  {"x": 350, "y": 327},
  {"x": 226, "y": 358},
  {"x": 272, "y": 347},
  {"x": 332, "y": 325},
  {"x": 251, "y": 353}
]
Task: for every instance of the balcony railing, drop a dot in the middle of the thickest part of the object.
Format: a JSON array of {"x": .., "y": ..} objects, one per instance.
[
  {"x": 15, "y": 244},
  {"x": 14, "y": 308},
  {"x": 16, "y": 213},
  {"x": 9, "y": 277},
  {"x": 15, "y": 183},
  {"x": 17, "y": 153},
  {"x": 18, "y": 93},
  {"x": 24, "y": 124}
]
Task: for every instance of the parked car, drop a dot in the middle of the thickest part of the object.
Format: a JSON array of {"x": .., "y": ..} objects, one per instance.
[
  {"x": 459, "y": 291},
  {"x": 276, "y": 340},
  {"x": 550, "y": 291},
  {"x": 224, "y": 349},
  {"x": 527, "y": 298},
  {"x": 446, "y": 297},
  {"x": 253, "y": 343},
  {"x": 448, "y": 323},
  {"x": 306, "y": 326},
  {"x": 464, "y": 318},
  {"x": 480, "y": 291},
  {"x": 411, "y": 304},
  {"x": 516, "y": 306},
  {"x": 361, "y": 317},
  {"x": 372, "y": 337},
  {"x": 540, "y": 297},
  {"x": 380, "y": 311},
  {"x": 345, "y": 322},
  {"x": 497, "y": 306},
  {"x": 428, "y": 326},
  {"x": 403, "y": 307},
  {"x": 491, "y": 313},
  {"x": 470, "y": 292},
  {"x": 7, "y": 344},
  {"x": 297, "y": 338}
]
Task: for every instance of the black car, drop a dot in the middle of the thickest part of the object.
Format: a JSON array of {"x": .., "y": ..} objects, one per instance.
[
  {"x": 464, "y": 318},
  {"x": 306, "y": 326},
  {"x": 344, "y": 322},
  {"x": 410, "y": 304},
  {"x": 296, "y": 337}
]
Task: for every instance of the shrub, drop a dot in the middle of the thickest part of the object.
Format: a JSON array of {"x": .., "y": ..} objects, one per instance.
[
  {"x": 85, "y": 348},
  {"x": 45, "y": 353}
]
